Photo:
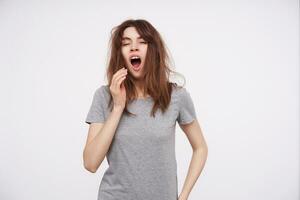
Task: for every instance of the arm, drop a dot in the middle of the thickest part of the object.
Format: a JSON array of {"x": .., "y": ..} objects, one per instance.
[
  {"x": 200, "y": 151},
  {"x": 100, "y": 136}
]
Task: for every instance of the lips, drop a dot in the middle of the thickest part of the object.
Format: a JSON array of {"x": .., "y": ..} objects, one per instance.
[{"x": 135, "y": 61}]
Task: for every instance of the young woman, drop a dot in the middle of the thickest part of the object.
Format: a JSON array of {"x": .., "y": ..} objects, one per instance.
[{"x": 132, "y": 121}]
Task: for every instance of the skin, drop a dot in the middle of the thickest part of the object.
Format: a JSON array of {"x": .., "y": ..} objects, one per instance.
[
  {"x": 100, "y": 135},
  {"x": 132, "y": 43},
  {"x": 200, "y": 151}
]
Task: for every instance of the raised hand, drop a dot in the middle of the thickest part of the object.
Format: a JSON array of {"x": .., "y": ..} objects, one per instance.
[{"x": 117, "y": 88}]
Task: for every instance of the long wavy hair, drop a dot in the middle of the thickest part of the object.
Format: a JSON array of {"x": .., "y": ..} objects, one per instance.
[{"x": 157, "y": 65}]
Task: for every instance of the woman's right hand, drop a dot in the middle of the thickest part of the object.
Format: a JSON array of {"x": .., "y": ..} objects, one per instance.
[{"x": 117, "y": 88}]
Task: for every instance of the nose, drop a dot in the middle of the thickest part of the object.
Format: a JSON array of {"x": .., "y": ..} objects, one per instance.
[{"x": 133, "y": 47}]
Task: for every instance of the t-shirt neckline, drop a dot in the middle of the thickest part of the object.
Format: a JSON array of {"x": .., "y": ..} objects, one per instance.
[{"x": 142, "y": 99}]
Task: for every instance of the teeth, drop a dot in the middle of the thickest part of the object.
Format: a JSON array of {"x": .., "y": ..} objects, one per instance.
[{"x": 134, "y": 57}]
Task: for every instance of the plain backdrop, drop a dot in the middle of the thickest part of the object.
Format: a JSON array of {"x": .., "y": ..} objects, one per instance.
[{"x": 241, "y": 64}]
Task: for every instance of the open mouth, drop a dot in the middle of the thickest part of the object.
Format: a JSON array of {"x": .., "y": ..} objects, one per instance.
[{"x": 135, "y": 61}]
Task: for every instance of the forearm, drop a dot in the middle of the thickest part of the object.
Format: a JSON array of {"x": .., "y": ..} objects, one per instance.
[
  {"x": 96, "y": 150},
  {"x": 195, "y": 168}
]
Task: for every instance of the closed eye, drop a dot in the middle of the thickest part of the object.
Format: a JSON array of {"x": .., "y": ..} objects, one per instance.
[{"x": 140, "y": 42}]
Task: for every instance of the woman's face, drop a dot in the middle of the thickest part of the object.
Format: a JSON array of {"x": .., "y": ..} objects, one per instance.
[{"x": 134, "y": 49}]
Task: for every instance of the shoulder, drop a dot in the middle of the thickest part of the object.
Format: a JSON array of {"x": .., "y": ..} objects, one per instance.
[
  {"x": 102, "y": 90},
  {"x": 179, "y": 91},
  {"x": 181, "y": 96},
  {"x": 102, "y": 93}
]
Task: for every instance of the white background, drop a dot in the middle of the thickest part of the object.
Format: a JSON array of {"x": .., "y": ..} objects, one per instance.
[{"x": 241, "y": 64}]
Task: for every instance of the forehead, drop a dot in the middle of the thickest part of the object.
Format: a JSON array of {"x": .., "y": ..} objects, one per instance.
[{"x": 130, "y": 33}]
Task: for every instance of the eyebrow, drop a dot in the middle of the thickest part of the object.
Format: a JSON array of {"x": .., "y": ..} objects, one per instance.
[{"x": 127, "y": 38}]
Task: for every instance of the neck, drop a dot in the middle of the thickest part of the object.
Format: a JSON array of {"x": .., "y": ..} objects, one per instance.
[{"x": 139, "y": 85}]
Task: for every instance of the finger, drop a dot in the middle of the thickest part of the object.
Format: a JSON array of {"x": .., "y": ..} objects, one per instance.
[
  {"x": 118, "y": 74},
  {"x": 121, "y": 80},
  {"x": 120, "y": 71},
  {"x": 117, "y": 77}
]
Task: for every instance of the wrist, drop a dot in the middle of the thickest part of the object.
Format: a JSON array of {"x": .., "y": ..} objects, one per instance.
[
  {"x": 118, "y": 109},
  {"x": 183, "y": 196}
]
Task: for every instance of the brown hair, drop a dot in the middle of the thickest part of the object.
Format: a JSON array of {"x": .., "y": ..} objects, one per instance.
[{"x": 157, "y": 65}]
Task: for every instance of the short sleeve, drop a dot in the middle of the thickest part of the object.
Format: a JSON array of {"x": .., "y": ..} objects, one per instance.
[
  {"x": 96, "y": 111},
  {"x": 186, "y": 108}
]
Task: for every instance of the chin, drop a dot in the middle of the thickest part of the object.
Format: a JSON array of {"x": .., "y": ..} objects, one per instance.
[{"x": 136, "y": 74}]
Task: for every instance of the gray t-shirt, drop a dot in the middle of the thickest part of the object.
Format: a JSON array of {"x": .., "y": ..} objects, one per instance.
[{"x": 141, "y": 158}]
